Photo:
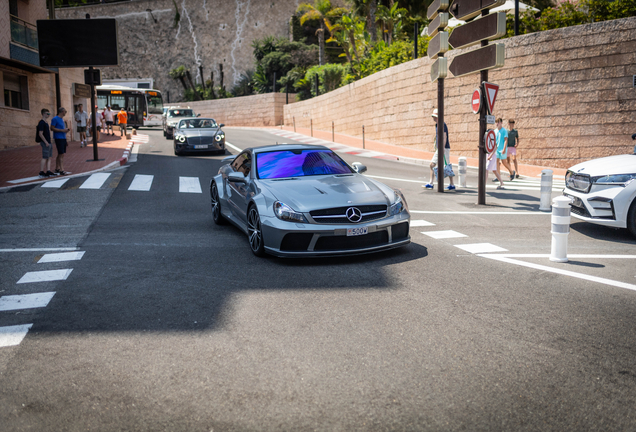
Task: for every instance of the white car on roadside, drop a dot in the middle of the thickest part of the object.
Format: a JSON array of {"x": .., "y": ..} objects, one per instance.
[{"x": 603, "y": 191}]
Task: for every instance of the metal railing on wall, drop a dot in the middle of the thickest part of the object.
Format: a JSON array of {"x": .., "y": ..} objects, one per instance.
[{"x": 24, "y": 33}]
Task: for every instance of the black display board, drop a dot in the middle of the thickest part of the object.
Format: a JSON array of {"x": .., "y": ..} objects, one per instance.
[{"x": 78, "y": 42}]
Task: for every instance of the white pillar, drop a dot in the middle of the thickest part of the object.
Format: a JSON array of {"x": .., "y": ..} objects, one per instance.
[
  {"x": 462, "y": 171},
  {"x": 560, "y": 228},
  {"x": 546, "y": 189}
]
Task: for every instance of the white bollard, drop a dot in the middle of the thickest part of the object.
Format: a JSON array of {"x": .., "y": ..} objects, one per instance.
[
  {"x": 462, "y": 171},
  {"x": 546, "y": 189},
  {"x": 560, "y": 228}
]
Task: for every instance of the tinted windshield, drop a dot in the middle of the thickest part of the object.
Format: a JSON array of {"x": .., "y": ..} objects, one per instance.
[
  {"x": 181, "y": 113},
  {"x": 299, "y": 163},
  {"x": 155, "y": 105},
  {"x": 197, "y": 124}
]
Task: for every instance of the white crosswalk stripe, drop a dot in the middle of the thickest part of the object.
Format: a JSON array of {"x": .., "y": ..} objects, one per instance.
[
  {"x": 95, "y": 181},
  {"x": 62, "y": 256},
  {"x": 55, "y": 184},
  {"x": 189, "y": 185},
  {"x": 45, "y": 276},
  {"x": 141, "y": 182},
  {"x": 25, "y": 301},
  {"x": 13, "y": 335}
]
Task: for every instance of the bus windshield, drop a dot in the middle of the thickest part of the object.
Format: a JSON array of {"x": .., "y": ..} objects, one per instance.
[{"x": 155, "y": 104}]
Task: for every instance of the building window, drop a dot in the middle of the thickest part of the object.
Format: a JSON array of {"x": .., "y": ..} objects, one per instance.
[{"x": 16, "y": 91}]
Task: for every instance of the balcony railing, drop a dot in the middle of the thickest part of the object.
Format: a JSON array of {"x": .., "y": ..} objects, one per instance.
[{"x": 24, "y": 33}]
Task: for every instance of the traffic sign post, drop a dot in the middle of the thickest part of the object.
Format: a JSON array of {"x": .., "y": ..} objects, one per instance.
[
  {"x": 490, "y": 141},
  {"x": 440, "y": 22},
  {"x": 438, "y": 45},
  {"x": 475, "y": 102},
  {"x": 488, "y": 57},
  {"x": 490, "y": 90},
  {"x": 466, "y": 9},
  {"x": 490, "y": 27}
]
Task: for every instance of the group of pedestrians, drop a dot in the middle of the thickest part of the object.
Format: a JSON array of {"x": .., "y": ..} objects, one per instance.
[
  {"x": 505, "y": 153},
  {"x": 60, "y": 128}
]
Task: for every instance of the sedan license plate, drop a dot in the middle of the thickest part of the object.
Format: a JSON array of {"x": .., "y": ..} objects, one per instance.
[
  {"x": 357, "y": 231},
  {"x": 200, "y": 146}
]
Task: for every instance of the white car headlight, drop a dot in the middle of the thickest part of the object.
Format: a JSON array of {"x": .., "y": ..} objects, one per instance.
[
  {"x": 286, "y": 213},
  {"x": 181, "y": 138},
  {"x": 578, "y": 182},
  {"x": 399, "y": 204},
  {"x": 219, "y": 137},
  {"x": 617, "y": 179}
]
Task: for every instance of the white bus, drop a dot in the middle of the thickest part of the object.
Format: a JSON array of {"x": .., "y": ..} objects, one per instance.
[{"x": 144, "y": 106}]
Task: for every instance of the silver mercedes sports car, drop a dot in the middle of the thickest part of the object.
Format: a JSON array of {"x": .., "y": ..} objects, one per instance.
[
  {"x": 197, "y": 134},
  {"x": 304, "y": 200}
]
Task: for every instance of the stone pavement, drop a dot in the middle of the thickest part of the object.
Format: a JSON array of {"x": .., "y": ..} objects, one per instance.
[
  {"x": 411, "y": 155},
  {"x": 22, "y": 165}
]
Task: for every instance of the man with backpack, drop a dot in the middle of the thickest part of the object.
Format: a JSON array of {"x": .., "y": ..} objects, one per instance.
[{"x": 43, "y": 136}]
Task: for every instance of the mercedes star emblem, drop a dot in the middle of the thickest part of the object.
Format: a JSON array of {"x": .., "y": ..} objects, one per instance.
[{"x": 354, "y": 214}]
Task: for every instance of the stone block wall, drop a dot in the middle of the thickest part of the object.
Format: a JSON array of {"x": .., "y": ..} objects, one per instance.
[
  {"x": 570, "y": 91},
  {"x": 258, "y": 110}
]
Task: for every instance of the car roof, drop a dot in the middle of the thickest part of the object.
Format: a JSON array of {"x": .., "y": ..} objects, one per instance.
[{"x": 287, "y": 147}]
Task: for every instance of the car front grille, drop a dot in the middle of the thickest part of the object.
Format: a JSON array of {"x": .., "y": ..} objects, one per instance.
[
  {"x": 581, "y": 211},
  {"x": 400, "y": 231},
  {"x": 296, "y": 241},
  {"x": 335, "y": 243},
  {"x": 338, "y": 215},
  {"x": 197, "y": 140}
]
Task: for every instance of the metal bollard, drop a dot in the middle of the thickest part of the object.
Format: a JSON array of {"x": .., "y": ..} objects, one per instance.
[
  {"x": 362, "y": 136},
  {"x": 294, "y": 120},
  {"x": 560, "y": 228},
  {"x": 462, "y": 171},
  {"x": 546, "y": 189},
  {"x": 311, "y": 125}
]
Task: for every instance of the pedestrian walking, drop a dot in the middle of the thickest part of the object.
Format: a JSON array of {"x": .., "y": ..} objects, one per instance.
[
  {"x": 513, "y": 143},
  {"x": 109, "y": 117},
  {"x": 122, "y": 120},
  {"x": 429, "y": 185},
  {"x": 98, "y": 123},
  {"x": 43, "y": 136},
  {"x": 502, "y": 148},
  {"x": 60, "y": 129},
  {"x": 81, "y": 118},
  {"x": 491, "y": 165}
]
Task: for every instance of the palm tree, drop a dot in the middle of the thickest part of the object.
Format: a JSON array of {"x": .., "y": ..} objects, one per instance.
[
  {"x": 391, "y": 19},
  {"x": 368, "y": 9},
  {"x": 347, "y": 30},
  {"x": 321, "y": 11}
]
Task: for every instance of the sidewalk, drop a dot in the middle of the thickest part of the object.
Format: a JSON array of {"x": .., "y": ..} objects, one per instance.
[
  {"x": 22, "y": 165},
  {"x": 406, "y": 154}
]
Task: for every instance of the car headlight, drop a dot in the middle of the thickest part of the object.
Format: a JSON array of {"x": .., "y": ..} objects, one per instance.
[
  {"x": 219, "y": 137},
  {"x": 286, "y": 213},
  {"x": 578, "y": 182},
  {"x": 399, "y": 204},
  {"x": 617, "y": 179},
  {"x": 181, "y": 138}
]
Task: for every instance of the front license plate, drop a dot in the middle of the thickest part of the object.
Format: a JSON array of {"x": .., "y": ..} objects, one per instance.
[
  {"x": 200, "y": 146},
  {"x": 357, "y": 231}
]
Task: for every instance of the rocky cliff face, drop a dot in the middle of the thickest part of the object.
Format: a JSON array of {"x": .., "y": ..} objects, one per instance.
[{"x": 208, "y": 33}]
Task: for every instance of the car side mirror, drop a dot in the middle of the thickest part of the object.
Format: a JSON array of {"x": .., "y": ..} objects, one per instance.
[
  {"x": 359, "y": 168},
  {"x": 236, "y": 177},
  {"x": 221, "y": 125}
]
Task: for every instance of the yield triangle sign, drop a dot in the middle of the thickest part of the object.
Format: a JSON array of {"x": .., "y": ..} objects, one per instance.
[{"x": 491, "y": 91}]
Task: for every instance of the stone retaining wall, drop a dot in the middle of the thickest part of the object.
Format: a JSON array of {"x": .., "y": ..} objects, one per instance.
[
  {"x": 258, "y": 110},
  {"x": 570, "y": 91}
]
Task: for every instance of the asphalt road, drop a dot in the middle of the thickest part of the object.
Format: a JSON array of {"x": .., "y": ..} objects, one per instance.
[{"x": 168, "y": 322}]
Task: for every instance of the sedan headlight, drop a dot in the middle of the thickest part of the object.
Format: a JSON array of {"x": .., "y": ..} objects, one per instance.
[
  {"x": 219, "y": 137},
  {"x": 399, "y": 204},
  {"x": 181, "y": 138},
  {"x": 617, "y": 179},
  {"x": 578, "y": 182},
  {"x": 286, "y": 213}
]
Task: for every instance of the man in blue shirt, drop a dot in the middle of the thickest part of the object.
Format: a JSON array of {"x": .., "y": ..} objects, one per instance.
[
  {"x": 59, "y": 134},
  {"x": 502, "y": 149}
]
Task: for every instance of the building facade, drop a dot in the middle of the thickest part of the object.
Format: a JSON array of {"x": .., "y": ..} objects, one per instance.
[{"x": 27, "y": 87}]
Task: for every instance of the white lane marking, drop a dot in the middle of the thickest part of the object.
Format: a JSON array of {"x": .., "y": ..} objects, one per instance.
[
  {"x": 578, "y": 256},
  {"x": 25, "y": 301},
  {"x": 478, "y": 248},
  {"x": 443, "y": 234},
  {"x": 189, "y": 185},
  {"x": 233, "y": 147},
  {"x": 64, "y": 256},
  {"x": 45, "y": 276},
  {"x": 391, "y": 178},
  {"x": 55, "y": 183},
  {"x": 421, "y": 223},
  {"x": 13, "y": 335},
  {"x": 141, "y": 182},
  {"x": 482, "y": 212},
  {"x": 40, "y": 249},
  {"x": 506, "y": 259},
  {"x": 508, "y": 187},
  {"x": 26, "y": 179},
  {"x": 95, "y": 181}
]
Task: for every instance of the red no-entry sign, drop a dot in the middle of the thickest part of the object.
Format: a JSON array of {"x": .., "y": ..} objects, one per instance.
[
  {"x": 475, "y": 102},
  {"x": 490, "y": 140}
]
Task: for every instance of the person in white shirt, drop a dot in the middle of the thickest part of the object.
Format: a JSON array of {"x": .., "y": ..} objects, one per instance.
[
  {"x": 98, "y": 123},
  {"x": 81, "y": 117},
  {"x": 109, "y": 116}
]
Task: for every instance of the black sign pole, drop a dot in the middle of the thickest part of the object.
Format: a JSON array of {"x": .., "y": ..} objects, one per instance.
[
  {"x": 91, "y": 73},
  {"x": 481, "y": 185},
  {"x": 440, "y": 133}
]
